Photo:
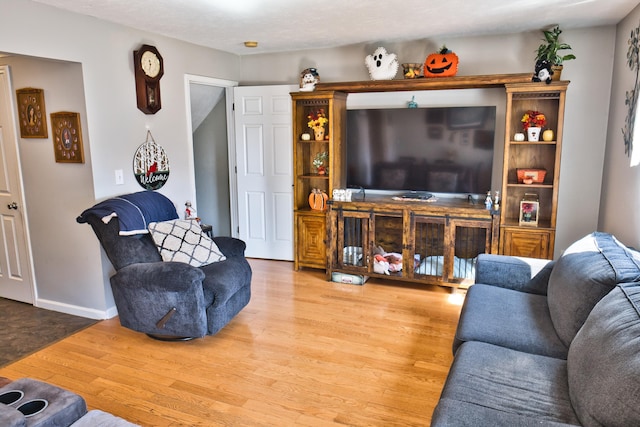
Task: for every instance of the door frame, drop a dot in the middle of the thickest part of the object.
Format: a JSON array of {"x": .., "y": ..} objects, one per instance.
[{"x": 228, "y": 85}]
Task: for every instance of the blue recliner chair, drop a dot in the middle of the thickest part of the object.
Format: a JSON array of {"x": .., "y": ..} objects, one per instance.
[{"x": 166, "y": 299}]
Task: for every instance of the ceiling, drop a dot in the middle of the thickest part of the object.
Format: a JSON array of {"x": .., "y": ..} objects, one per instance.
[{"x": 286, "y": 25}]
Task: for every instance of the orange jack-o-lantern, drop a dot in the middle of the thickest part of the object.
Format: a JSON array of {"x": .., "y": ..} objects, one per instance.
[
  {"x": 441, "y": 64},
  {"x": 318, "y": 200}
]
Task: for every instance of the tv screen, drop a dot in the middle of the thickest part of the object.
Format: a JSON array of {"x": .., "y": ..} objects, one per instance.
[{"x": 438, "y": 150}]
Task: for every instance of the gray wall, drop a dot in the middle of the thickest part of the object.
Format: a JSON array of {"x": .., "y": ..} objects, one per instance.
[
  {"x": 587, "y": 96},
  {"x": 621, "y": 185},
  {"x": 113, "y": 128}
]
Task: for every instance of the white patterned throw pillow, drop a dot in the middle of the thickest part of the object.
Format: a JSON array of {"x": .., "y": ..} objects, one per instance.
[{"x": 183, "y": 241}]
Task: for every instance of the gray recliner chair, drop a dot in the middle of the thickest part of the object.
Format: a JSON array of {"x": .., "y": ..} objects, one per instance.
[{"x": 166, "y": 299}]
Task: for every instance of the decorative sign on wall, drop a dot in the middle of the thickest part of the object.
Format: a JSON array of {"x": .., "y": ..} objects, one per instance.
[
  {"x": 67, "y": 137},
  {"x": 31, "y": 111},
  {"x": 151, "y": 165}
]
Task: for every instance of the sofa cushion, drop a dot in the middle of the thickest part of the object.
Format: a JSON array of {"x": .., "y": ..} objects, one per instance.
[
  {"x": 508, "y": 318},
  {"x": 604, "y": 361},
  {"x": 506, "y": 382},
  {"x": 183, "y": 241},
  {"x": 586, "y": 272}
]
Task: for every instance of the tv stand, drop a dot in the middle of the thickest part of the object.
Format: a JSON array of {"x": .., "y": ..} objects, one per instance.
[{"x": 438, "y": 240}]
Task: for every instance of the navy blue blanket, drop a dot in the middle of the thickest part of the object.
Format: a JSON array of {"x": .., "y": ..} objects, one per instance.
[{"x": 134, "y": 211}]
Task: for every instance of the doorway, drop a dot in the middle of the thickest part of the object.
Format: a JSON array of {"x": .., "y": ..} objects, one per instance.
[{"x": 210, "y": 102}]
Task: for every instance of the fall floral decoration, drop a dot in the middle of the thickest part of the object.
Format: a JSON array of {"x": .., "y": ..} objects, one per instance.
[
  {"x": 317, "y": 119},
  {"x": 316, "y": 122},
  {"x": 533, "y": 119}
]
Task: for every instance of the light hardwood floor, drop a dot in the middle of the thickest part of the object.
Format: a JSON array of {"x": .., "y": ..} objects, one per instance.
[{"x": 304, "y": 352}]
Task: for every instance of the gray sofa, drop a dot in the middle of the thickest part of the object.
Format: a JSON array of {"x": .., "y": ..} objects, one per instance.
[
  {"x": 561, "y": 348},
  {"x": 31, "y": 403}
]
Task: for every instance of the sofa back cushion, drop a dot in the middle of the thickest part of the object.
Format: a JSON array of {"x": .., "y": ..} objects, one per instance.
[
  {"x": 585, "y": 273},
  {"x": 604, "y": 361},
  {"x": 123, "y": 250}
]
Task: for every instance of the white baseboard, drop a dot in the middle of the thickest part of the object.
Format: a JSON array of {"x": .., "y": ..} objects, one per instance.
[{"x": 76, "y": 310}]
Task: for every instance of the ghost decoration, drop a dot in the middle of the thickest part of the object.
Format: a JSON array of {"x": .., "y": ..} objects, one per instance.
[{"x": 382, "y": 65}]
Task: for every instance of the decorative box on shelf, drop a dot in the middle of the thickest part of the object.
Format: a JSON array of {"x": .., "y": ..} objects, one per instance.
[{"x": 531, "y": 176}]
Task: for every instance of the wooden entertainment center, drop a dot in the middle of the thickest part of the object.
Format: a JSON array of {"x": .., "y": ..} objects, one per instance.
[{"x": 437, "y": 240}]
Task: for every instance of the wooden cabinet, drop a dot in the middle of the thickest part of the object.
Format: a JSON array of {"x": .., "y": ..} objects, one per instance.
[
  {"x": 311, "y": 232},
  {"x": 309, "y": 229},
  {"x": 437, "y": 242},
  {"x": 529, "y": 238},
  {"x": 527, "y": 243}
]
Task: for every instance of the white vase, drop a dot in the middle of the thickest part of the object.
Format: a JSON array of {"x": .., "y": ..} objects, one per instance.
[{"x": 533, "y": 133}]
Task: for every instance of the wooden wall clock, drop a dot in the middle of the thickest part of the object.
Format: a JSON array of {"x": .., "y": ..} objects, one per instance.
[{"x": 148, "y": 67}]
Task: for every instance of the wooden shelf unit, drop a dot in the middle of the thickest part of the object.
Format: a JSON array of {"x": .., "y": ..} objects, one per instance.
[
  {"x": 310, "y": 225},
  {"x": 310, "y": 230},
  {"x": 525, "y": 240},
  {"x": 438, "y": 241}
]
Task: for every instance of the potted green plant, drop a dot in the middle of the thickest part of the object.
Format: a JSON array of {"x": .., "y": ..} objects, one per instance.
[{"x": 550, "y": 51}]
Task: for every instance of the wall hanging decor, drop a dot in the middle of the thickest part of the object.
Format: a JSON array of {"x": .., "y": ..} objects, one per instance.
[
  {"x": 443, "y": 63},
  {"x": 382, "y": 65},
  {"x": 631, "y": 96},
  {"x": 31, "y": 113},
  {"x": 67, "y": 137},
  {"x": 151, "y": 164}
]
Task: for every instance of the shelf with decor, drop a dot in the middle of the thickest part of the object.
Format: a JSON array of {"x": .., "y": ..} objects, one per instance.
[
  {"x": 318, "y": 162},
  {"x": 531, "y": 168}
]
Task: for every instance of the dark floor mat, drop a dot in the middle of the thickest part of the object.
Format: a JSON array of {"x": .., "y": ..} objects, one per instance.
[{"x": 25, "y": 329}]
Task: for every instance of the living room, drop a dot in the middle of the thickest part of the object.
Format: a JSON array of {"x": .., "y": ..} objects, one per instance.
[
  {"x": 598, "y": 187},
  {"x": 595, "y": 178}
]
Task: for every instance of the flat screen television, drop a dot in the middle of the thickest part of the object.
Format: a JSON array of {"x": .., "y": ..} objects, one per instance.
[{"x": 436, "y": 150}]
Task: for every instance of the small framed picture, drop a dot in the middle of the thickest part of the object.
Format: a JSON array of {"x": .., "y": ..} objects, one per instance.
[
  {"x": 67, "y": 137},
  {"x": 31, "y": 113},
  {"x": 529, "y": 208}
]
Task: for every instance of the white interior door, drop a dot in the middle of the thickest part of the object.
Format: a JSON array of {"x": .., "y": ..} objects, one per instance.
[
  {"x": 264, "y": 159},
  {"x": 15, "y": 262}
]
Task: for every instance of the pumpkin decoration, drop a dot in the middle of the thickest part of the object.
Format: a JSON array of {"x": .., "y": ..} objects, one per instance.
[
  {"x": 318, "y": 200},
  {"x": 441, "y": 64}
]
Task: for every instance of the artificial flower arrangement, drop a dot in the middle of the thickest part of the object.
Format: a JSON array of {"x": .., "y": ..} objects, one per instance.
[
  {"x": 317, "y": 119},
  {"x": 319, "y": 160},
  {"x": 533, "y": 119}
]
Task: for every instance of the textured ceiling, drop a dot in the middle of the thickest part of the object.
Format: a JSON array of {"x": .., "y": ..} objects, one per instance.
[{"x": 285, "y": 25}]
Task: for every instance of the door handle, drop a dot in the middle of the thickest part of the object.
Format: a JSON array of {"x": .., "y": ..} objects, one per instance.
[{"x": 12, "y": 205}]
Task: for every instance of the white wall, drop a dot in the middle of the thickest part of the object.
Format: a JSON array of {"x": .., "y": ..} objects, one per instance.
[
  {"x": 114, "y": 129},
  {"x": 621, "y": 184},
  {"x": 587, "y": 106}
]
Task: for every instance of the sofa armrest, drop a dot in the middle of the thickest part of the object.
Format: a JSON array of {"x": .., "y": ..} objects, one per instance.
[
  {"x": 160, "y": 277},
  {"x": 230, "y": 246},
  {"x": 519, "y": 273},
  {"x": 161, "y": 298}
]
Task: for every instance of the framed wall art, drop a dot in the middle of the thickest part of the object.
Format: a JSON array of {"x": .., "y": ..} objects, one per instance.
[
  {"x": 67, "y": 137},
  {"x": 32, "y": 113}
]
